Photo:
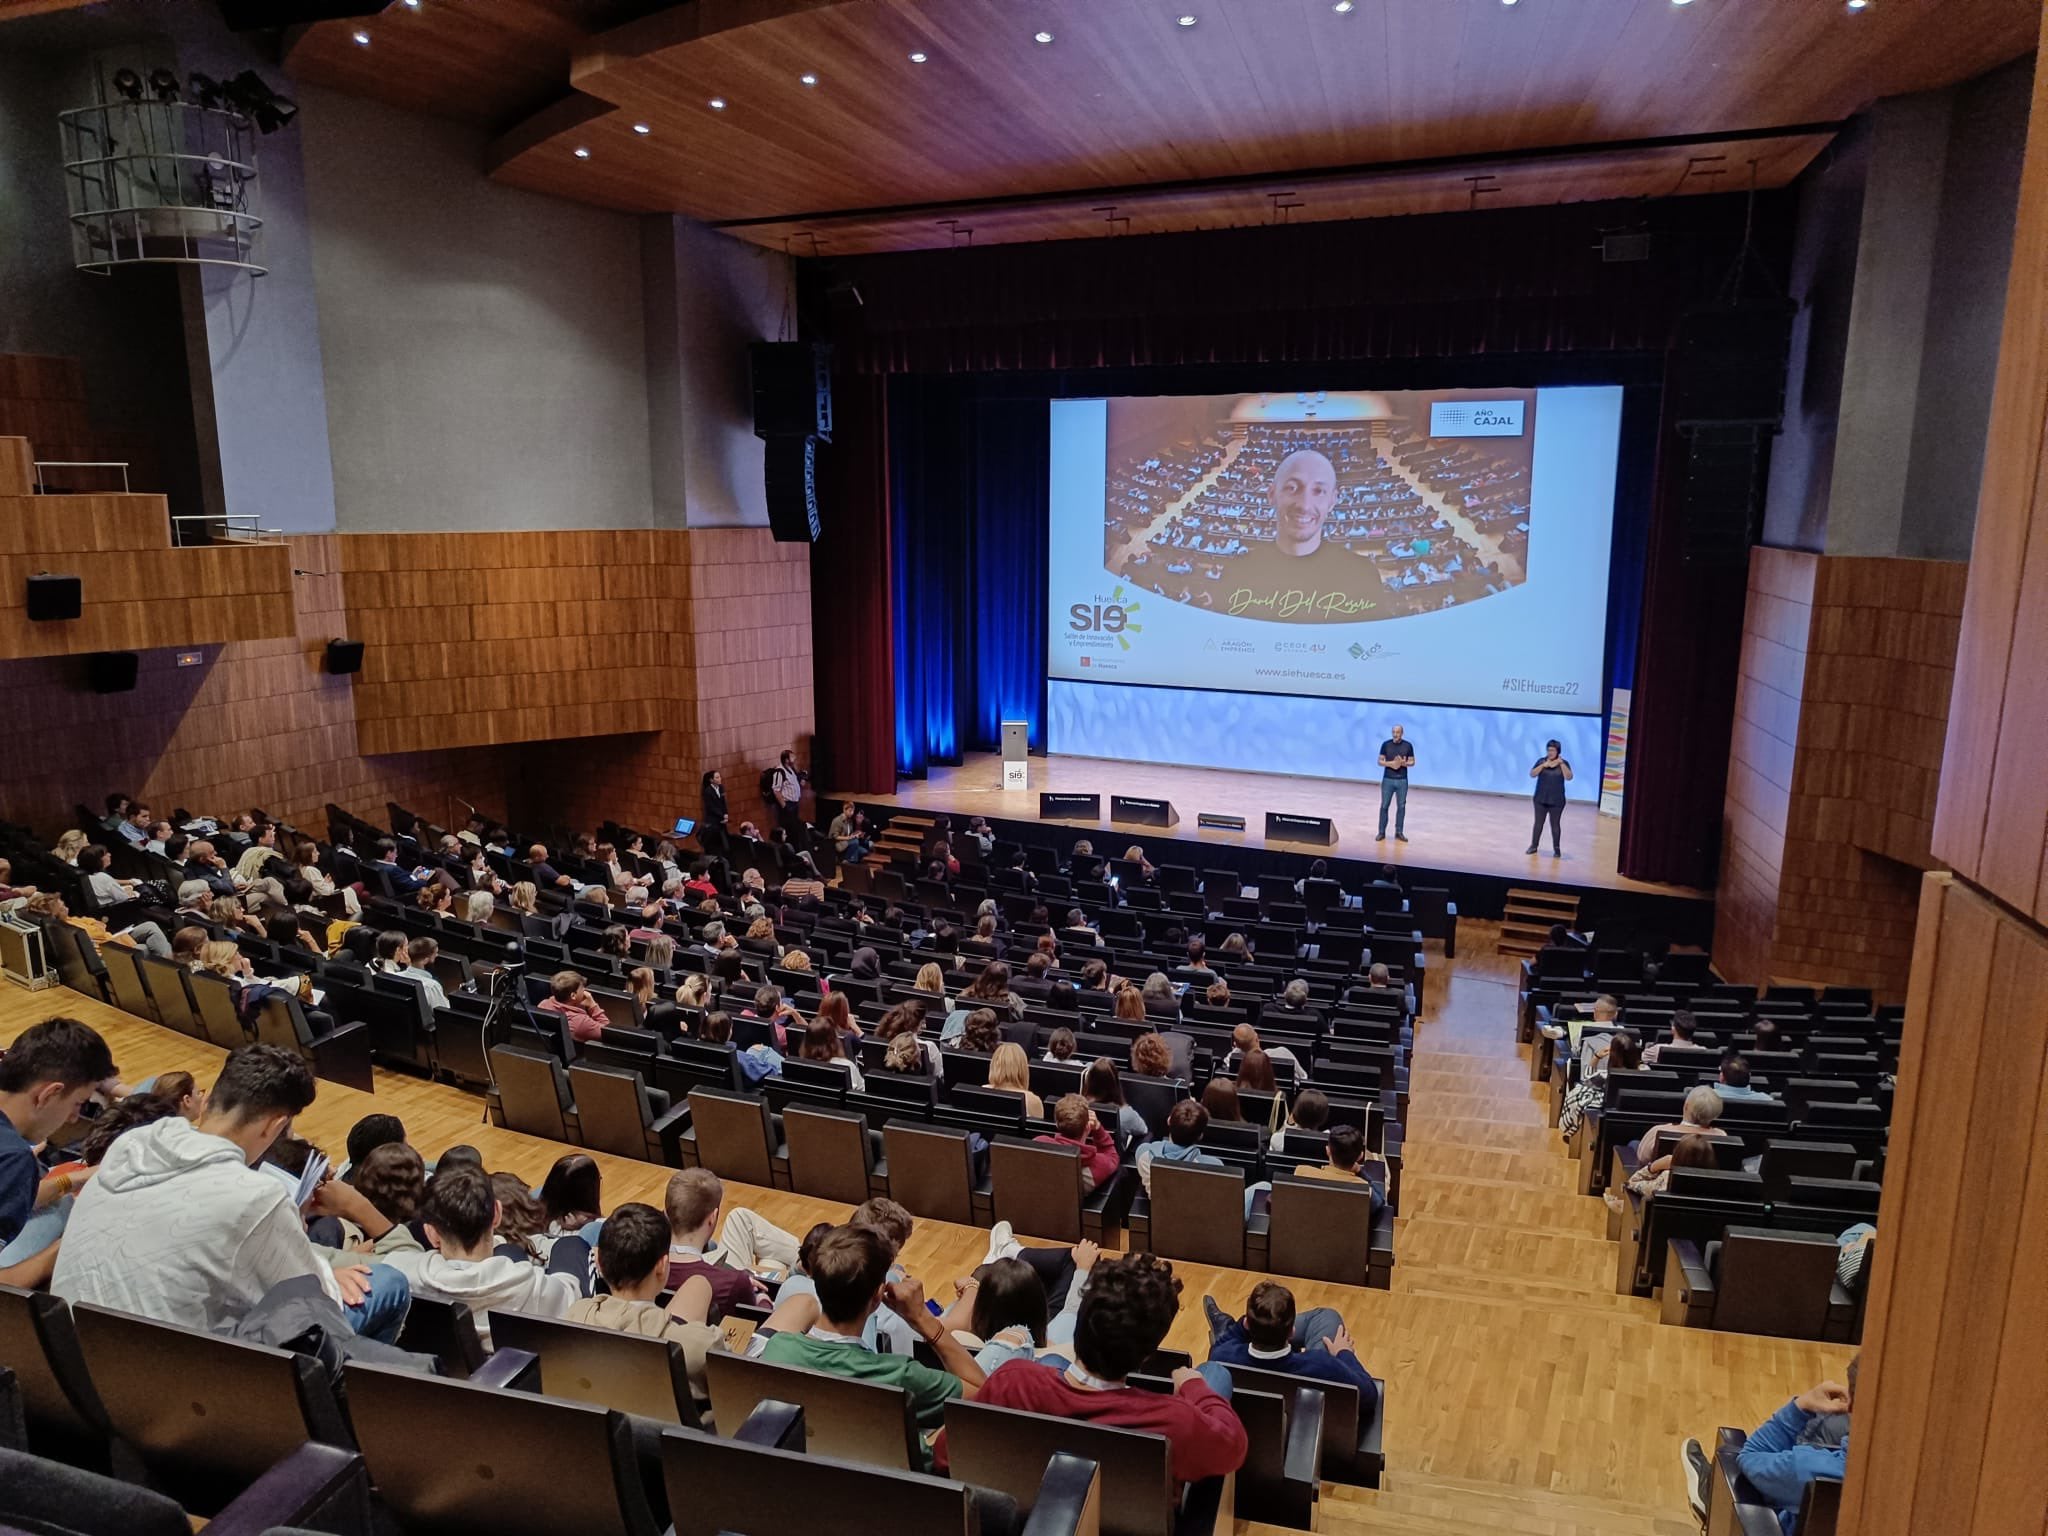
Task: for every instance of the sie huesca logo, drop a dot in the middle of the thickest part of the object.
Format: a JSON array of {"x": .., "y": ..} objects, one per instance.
[{"x": 1106, "y": 618}]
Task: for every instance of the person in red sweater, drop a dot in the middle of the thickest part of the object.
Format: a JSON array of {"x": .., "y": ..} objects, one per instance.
[
  {"x": 1130, "y": 1305},
  {"x": 570, "y": 997},
  {"x": 1078, "y": 1127}
]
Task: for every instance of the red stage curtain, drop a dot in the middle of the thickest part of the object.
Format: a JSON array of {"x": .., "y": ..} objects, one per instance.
[{"x": 851, "y": 640}]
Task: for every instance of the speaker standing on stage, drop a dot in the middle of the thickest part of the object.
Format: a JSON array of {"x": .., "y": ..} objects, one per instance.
[
  {"x": 1396, "y": 757},
  {"x": 1551, "y": 774}
]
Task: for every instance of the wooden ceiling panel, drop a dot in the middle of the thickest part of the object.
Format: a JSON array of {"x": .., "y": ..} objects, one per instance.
[{"x": 1124, "y": 97}]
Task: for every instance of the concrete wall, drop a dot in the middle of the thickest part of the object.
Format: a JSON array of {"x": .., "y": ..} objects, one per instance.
[{"x": 483, "y": 348}]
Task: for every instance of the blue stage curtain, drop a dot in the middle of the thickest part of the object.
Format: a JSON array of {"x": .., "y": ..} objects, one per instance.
[{"x": 968, "y": 541}]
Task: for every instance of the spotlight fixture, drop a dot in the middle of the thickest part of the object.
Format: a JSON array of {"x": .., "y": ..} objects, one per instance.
[
  {"x": 1859, "y": 5},
  {"x": 642, "y": 129},
  {"x": 1041, "y": 37},
  {"x": 1343, "y": 7},
  {"x": 716, "y": 103},
  {"x": 580, "y": 152},
  {"x": 128, "y": 83},
  {"x": 919, "y": 58},
  {"x": 164, "y": 83},
  {"x": 1188, "y": 21},
  {"x": 362, "y": 39},
  {"x": 807, "y": 78},
  {"x": 206, "y": 90},
  {"x": 412, "y": 5}
]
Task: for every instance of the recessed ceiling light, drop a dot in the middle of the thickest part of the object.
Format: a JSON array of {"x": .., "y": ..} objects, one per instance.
[
  {"x": 412, "y": 5},
  {"x": 642, "y": 128},
  {"x": 362, "y": 39},
  {"x": 1507, "y": 2},
  {"x": 716, "y": 103},
  {"x": 1188, "y": 21},
  {"x": 1041, "y": 37},
  {"x": 1342, "y": 7},
  {"x": 918, "y": 58},
  {"x": 1681, "y": 2},
  {"x": 1859, "y": 5},
  {"x": 580, "y": 152},
  {"x": 808, "y": 78}
]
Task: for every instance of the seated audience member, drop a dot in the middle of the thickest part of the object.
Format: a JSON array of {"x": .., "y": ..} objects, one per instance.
[
  {"x": 1219, "y": 1097},
  {"x": 825, "y": 1331},
  {"x": 1185, "y": 1124},
  {"x": 1311, "y": 1112},
  {"x": 756, "y": 1240},
  {"x": 821, "y": 1042},
  {"x": 1682, "y": 1030},
  {"x": 393, "y": 1178},
  {"x": 48, "y": 910},
  {"x": 1804, "y": 1441},
  {"x": 395, "y": 958},
  {"x": 1009, "y": 1071},
  {"x": 1129, "y": 1305},
  {"x": 1605, "y": 1012},
  {"x": 1244, "y": 1040},
  {"x": 1618, "y": 1053},
  {"x": 1255, "y": 1073},
  {"x": 370, "y": 1133},
  {"x": 1273, "y": 1337},
  {"x": 1294, "y": 1004},
  {"x": 178, "y": 1089},
  {"x": 980, "y": 1030},
  {"x": 695, "y": 1198},
  {"x": 1059, "y": 1046},
  {"x": 1105, "y": 1094},
  {"x": 1345, "y": 1165},
  {"x": 178, "y": 1225},
  {"x": 1004, "y": 1310},
  {"x": 991, "y": 990},
  {"x": 461, "y": 1216},
  {"x": 102, "y": 886},
  {"x": 572, "y": 1195},
  {"x": 10, "y": 893},
  {"x": 632, "y": 1256},
  {"x": 1654, "y": 1177},
  {"x": 1078, "y": 1127},
  {"x": 1150, "y": 1055},
  {"x": 570, "y": 997},
  {"x": 1734, "y": 1082},
  {"x": 1702, "y": 1108},
  {"x": 1380, "y": 975},
  {"x": 46, "y": 1076}
]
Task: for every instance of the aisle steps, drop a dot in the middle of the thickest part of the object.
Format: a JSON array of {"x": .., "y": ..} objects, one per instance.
[
  {"x": 1525, "y": 924},
  {"x": 1442, "y": 1506}
]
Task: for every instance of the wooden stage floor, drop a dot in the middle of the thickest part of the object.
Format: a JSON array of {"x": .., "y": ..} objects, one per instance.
[
  {"x": 1479, "y": 834},
  {"x": 1524, "y": 1395}
]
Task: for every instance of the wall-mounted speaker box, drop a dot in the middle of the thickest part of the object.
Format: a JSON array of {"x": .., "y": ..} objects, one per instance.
[
  {"x": 790, "y": 474},
  {"x": 792, "y": 388},
  {"x": 344, "y": 657},
  {"x": 54, "y": 597},
  {"x": 111, "y": 671}
]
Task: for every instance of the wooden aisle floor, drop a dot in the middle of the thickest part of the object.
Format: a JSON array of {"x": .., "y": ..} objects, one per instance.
[{"x": 1525, "y": 1397}]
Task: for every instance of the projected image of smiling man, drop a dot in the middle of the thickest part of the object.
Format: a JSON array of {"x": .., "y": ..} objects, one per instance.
[{"x": 1304, "y": 491}]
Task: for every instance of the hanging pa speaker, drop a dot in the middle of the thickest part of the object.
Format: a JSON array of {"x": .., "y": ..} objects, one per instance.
[
  {"x": 790, "y": 470},
  {"x": 54, "y": 597},
  {"x": 792, "y": 388},
  {"x": 344, "y": 657},
  {"x": 111, "y": 671}
]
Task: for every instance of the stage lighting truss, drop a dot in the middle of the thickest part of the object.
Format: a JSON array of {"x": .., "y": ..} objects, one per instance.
[{"x": 157, "y": 179}]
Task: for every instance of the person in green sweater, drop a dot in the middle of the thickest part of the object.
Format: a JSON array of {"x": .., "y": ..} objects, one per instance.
[{"x": 823, "y": 1332}]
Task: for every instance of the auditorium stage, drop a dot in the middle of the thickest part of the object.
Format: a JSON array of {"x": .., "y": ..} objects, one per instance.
[{"x": 1448, "y": 830}]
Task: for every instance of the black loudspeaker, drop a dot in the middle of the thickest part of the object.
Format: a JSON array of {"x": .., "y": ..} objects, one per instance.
[
  {"x": 1284, "y": 828},
  {"x": 344, "y": 657},
  {"x": 54, "y": 597},
  {"x": 111, "y": 671},
  {"x": 791, "y": 472},
  {"x": 792, "y": 388},
  {"x": 1728, "y": 367},
  {"x": 1141, "y": 811},
  {"x": 1727, "y": 471}
]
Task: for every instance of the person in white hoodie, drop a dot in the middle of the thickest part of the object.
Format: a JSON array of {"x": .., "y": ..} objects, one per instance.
[
  {"x": 461, "y": 1216},
  {"x": 179, "y": 1227}
]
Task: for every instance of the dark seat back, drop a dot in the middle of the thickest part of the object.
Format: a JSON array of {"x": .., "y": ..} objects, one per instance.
[
  {"x": 171, "y": 994},
  {"x": 61, "y": 1410},
  {"x": 451, "y": 1459},
  {"x": 1037, "y": 1188},
  {"x": 734, "y": 1137},
  {"x": 715, "y": 1486},
  {"x": 447, "y": 1331},
  {"x": 206, "y": 1415},
  {"x": 829, "y": 1153},
  {"x": 1322, "y": 1230},
  {"x": 1153, "y": 1098},
  {"x": 1785, "y": 1160},
  {"x": 1776, "y": 1283},
  {"x": 215, "y": 1003},
  {"x": 532, "y": 1090},
  {"x": 852, "y": 1420},
  {"x": 931, "y": 1170},
  {"x": 612, "y": 1109},
  {"x": 1007, "y": 1449},
  {"x": 125, "y": 982},
  {"x": 1198, "y": 1213},
  {"x": 582, "y": 1364}
]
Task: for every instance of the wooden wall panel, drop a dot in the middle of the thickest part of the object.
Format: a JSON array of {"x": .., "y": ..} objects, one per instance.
[
  {"x": 138, "y": 592},
  {"x": 1841, "y": 713},
  {"x": 1950, "y": 1431},
  {"x": 17, "y": 467}
]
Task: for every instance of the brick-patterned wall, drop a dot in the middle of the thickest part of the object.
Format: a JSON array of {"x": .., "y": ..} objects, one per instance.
[
  {"x": 1841, "y": 714},
  {"x": 1762, "y": 752}
]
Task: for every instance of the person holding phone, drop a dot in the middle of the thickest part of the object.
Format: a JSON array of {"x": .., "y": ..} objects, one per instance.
[{"x": 1551, "y": 773}]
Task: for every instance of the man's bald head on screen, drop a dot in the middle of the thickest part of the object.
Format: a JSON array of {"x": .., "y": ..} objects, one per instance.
[{"x": 1304, "y": 490}]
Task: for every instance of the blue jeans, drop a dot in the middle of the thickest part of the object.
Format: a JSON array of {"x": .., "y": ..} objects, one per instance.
[
  {"x": 1395, "y": 790},
  {"x": 42, "y": 1228},
  {"x": 1218, "y": 1376},
  {"x": 381, "y": 1314}
]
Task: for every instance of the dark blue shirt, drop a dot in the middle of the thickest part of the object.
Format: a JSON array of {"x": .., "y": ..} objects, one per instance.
[
  {"x": 19, "y": 1175},
  {"x": 1234, "y": 1348}
]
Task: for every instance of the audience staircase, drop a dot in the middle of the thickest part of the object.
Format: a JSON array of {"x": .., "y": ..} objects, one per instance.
[{"x": 1530, "y": 915}]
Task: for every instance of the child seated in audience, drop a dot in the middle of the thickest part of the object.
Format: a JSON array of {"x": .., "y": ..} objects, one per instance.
[
  {"x": 461, "y": 1215},
  {"x": 1273, "y": 1337},
  {"x": 1186, "y": 1123},
  {"x": 632, "y": 1257},
  {"x": 1654, "y": 1177},
  {"x": 825, "y": 1331},
  {"x": 1345, "y": 1165},
  {"x": 1078, "y": 1127},
  {"x": 1129, "y": 1305},
  {"x": 1311, "y": 1112}
]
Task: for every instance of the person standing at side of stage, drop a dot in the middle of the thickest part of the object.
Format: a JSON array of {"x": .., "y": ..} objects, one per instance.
[{"x": 1397, "y": 756}]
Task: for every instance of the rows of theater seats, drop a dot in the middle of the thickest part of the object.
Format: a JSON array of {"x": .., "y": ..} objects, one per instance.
[{"x": 1749, "y": 1245}]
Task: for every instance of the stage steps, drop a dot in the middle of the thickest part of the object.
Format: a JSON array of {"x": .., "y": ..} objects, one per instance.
[
  {"x": 905, "y": 836},
  {"x": 1526, "y": 922}
]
